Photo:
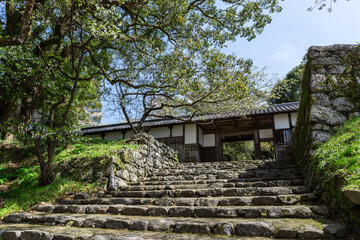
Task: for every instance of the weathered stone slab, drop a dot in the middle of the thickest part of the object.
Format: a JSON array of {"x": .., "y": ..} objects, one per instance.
[
  {"x": 353, "y": 195},
  {"x": 191, "y": 227},
  {"x": 254, "y": 229},
  {"x": 310, "y": 232}
]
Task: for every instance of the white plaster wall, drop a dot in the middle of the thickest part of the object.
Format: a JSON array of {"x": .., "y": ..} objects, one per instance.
[
  {"x": 113, "y": 136},
  {"x": 94, "y": 136},
  {"x": 177, "y": 131},
  {"x": 209, "y": 140},
  {"x": 128, "y": 134},
  {"x": 281, "y": 121},
  {"x": 201, "y": 137},
  {"x": 160, "y": 132},
  {"x": 294, "y": 116},
  {"x": 190, "y": 133},
  {"x": 266, "y": 133}
]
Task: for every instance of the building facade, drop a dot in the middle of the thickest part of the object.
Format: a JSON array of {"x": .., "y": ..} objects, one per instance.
[{"x": 202, "y": 138}]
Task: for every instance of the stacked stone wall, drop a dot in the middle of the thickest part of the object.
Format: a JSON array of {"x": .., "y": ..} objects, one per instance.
[
  {"x": 334, "y": 88},
  {"x": 125, "y": 165},
  {"x": 330, "y": 96}
]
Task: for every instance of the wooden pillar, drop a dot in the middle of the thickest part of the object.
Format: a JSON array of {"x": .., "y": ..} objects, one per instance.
[
  {"x": 198, "y": 158},
  {"x": 123, "y": 134},
  {"x": 291, "y": 128},
  {"x": 275, "y": 140},
  {"x": 257, "y": 146},
  {"x": 171, "y": 127},
  {"x": 218, "y": 148}
]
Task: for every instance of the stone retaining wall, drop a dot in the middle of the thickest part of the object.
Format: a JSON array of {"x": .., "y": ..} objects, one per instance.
[
  {"x": 334, "y": 88},
  {"x": 126, "y": 165},
  {"x": 330, "y": 96}
]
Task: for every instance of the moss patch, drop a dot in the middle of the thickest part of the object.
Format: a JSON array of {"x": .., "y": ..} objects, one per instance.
[
  {"x": 302, "y": 135},
  {"x": 337, "y": 168},
  {"x": 19, "y": 172},
  {"x": 92, "y": 149}
]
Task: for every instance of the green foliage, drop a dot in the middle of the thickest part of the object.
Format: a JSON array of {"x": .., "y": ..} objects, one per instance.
[
  {"x": 336, "y": 168},
  {"x": 267, "y": 150},
  {"x": 168, "y": 50},
  {"x": 242, "y": 151},
  {"x": 339, "y": 158},
  {"x": 239, "y": 151},
  {"x": 288, "y": 89},
  {"x": 92, "y": 148},
  {"x": 302, "y": 136},
  {"x": 19, "y": 174},
  {"x": 26, "y": 192},
  {"x": 322, "y": 4}
]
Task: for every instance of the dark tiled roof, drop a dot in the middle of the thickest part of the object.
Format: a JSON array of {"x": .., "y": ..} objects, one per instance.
[{"x": 276, "y": 108}]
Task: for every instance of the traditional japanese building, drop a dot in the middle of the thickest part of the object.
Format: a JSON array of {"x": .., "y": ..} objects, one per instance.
[{"x": 202, "y": 138}]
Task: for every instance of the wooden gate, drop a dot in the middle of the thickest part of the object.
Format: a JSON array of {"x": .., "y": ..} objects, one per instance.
[{"x": 284, "y": 148}]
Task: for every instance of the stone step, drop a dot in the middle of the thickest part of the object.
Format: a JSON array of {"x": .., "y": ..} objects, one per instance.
[
  {"x": 242, "y": 167},
  {"x": 192, "y": 185},
  {"x": 200, "y": 201},
  {"x": 231, "y": 166},
  {"x": 260, "y": 176},
  {"x": 233, "y": 173},
  {"x": 237, "y": 163},
  {"x": 298, "y": 211},
  {"x": 241, "y": 182},
  {"x": 215, "y": 192},
  {"x": 281, "y": 228},
  {"x": 38, "y": 232}
]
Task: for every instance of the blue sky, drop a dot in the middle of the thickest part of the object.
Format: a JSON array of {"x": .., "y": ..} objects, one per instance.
[{"x": 285, "y": 41}]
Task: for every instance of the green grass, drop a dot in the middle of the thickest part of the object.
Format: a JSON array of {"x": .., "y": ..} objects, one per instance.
[
  {"x": 24, "y": 190},
  {"x": 19, "y": 173},
  {"x": 95, "y": 148},
  {"x": 336, "y": 168},
  {"x": 340, "y": 157}
]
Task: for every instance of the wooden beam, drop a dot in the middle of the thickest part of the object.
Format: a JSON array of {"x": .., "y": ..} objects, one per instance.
[
  {"x": 218, "y": 148},
  {"x": 255, "y": 126},
  {"x": 276, "y": 146},
  {"x": 236, "y": 133},
  {"x": 198, "y": 158},
  {"x": 123, "y": 133},
  {"x": 290, "y": 122},
  {"x": 257, "y": 146},
  {"x": 184, "y": 133},
  {"x": 171, "y": 128},
  {"x": 214, "y": 125},
  {"x": 235, "y": 123}
]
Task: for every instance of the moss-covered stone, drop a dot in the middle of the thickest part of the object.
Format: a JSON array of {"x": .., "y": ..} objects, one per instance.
[{"x": 330, "y": 96}]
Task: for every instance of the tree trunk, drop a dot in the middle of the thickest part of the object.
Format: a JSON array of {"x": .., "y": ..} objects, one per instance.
[
  {"x": 8, "y": 112},
  {"x": 47, "y": 173},
  {"x": 18, "y": 113}
]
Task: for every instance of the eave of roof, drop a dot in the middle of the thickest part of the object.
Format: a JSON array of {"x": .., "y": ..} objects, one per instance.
[{"x": 271, "y": 109}]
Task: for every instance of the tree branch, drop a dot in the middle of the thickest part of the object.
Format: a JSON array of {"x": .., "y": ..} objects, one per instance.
[{"x": 25, "y": 28}]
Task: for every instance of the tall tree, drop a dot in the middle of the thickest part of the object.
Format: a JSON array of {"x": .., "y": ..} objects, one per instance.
[
  {"x": 142, "y": 46},
  {"x": 15, "y": 24},
  {"x": 288, "y": 89}
]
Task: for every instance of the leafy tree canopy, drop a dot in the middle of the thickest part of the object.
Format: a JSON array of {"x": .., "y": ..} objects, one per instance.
[
  {"x": 288, "y": 89},
  {"x": 161, "y": 53}
]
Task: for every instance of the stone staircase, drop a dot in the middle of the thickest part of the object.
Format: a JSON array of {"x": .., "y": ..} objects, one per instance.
[{"x": 223, "y": 200}]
